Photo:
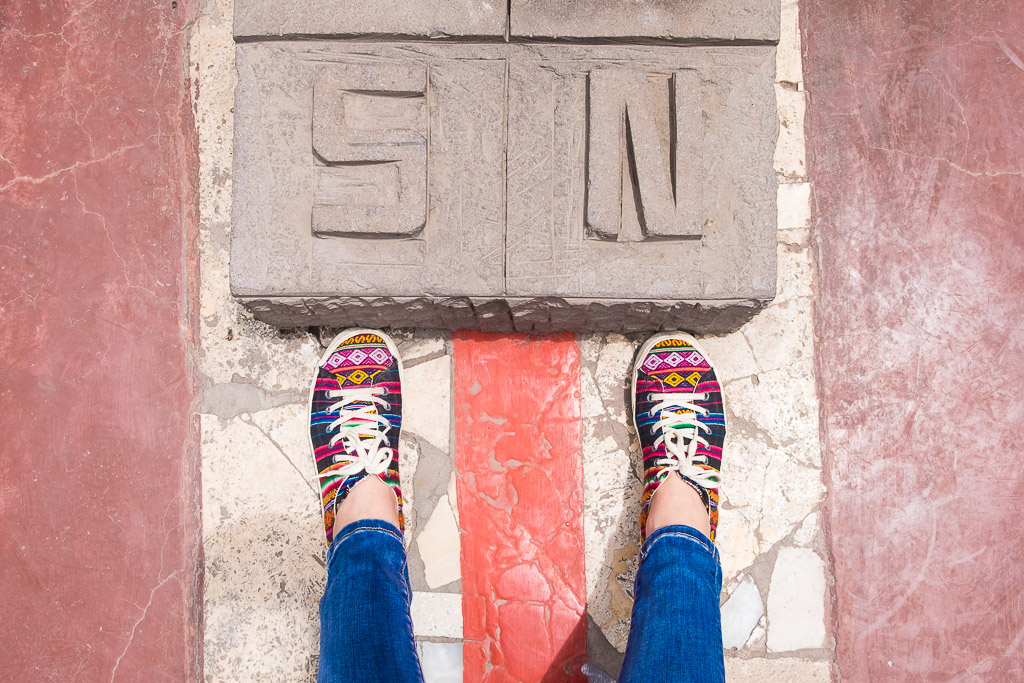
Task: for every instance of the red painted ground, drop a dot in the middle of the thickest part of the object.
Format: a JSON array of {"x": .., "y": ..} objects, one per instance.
[
  {"x": 98, "y": 489},
  {"x": 520, "y": 493},
  {"x": 916, "y": 123}
]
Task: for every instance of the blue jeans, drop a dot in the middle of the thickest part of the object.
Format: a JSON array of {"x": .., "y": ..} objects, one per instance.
[
  {"x": 675, "y": 633},
  {"x": 366, "y": 631}
]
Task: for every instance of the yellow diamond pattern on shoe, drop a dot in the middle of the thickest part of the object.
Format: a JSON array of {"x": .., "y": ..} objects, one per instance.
[{"x": 673, "y": 380}]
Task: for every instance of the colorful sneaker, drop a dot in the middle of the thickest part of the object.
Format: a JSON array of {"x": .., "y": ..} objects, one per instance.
[
  {"x": 355, "y": 417},
  {"x": 679, "y": 415}
]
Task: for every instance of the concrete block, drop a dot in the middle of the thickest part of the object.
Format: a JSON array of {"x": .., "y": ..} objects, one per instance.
[
  {"x": 305, "y": 112},
  {"x": 412, "y": 18},
  {"x": 635, "y": 20},
  {"x": 683, "y": 208},
  {"x": 504, "y": 187}
]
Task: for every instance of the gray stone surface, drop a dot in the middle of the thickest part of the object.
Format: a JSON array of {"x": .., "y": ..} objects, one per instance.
[
  {"x": 420, "y": 18},
  {"x": 532, "y": 316},
  {"x": 370, "y": 133},
  {"x": 751, "y": 20},
  {"x": 274, "y": 250},
  {"x": 627, "y": 113},
  {"x": 732, "y": 209},
  {"x": 504, "y": 187}
]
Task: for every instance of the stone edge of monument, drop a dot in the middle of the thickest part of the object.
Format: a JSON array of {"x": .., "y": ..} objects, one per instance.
[
  {"x": 532, "y": 316},
  {"x": 755, "y": 21},
  {"x": 256, "y": 19}
]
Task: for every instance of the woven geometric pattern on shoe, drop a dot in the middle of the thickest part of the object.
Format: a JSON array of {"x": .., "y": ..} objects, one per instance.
[
  {"x": 355, "y": 418},
  {"x": 679, "y": 416}
]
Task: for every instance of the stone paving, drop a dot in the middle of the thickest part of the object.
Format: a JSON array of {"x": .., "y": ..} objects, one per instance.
[{"x": 262, "y": 542}]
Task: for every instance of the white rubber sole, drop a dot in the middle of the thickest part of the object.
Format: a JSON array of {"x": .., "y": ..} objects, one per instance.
[{"x": 344, "y": 336}]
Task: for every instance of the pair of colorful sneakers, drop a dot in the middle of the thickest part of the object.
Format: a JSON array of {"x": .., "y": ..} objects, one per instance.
[{"x": 356, "y": 418}]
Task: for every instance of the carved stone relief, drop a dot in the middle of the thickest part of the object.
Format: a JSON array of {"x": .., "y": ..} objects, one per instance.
[{"x": 503, "y": 185}]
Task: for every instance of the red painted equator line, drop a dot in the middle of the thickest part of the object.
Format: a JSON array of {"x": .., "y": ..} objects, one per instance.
[{"x": 520, "y": 493}]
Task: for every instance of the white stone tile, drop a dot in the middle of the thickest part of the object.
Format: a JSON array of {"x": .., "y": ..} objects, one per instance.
[
  {"x": 768, "y": 494},
  {"x": 614, "y": 373},
  {"x": 731, "y": 356},
  {"x": 809, "y": 532},
  {"x": 441, "y": 662},
  {"x": 796, "y": 601},
  {"x": 776, "y": 670},
  {"x": 780, "y": 407},
  {"x": 436, "y": 615},
  {"x": 263, "y": 544},
  {"x": 439, "y": 546},
  {"x": 788, "y": 63},
  {"x": 741, "y": 613},
  {"x": 794, "y": 205},
  {"x": 427, "y": 401},
  {"x": 790, "y": 150},
  {"x": 736, "y": 539},
  {"x": 758, "y": 635},
  {"x": 796, "y": 276},
  {"x": 780, "y": 337}
]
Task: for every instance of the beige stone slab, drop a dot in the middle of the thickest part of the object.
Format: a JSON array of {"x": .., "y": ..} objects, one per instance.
[
  {"x": 754, "y": 20},
  {"x": 781, "y": 670},
  {"x": 790, "y": 63},
  {"x": 420, "y": 18},
  {"x": 439, "y": 546},
  {"x": 791, "y": 152},
  {"x": 427, "y": 396},
  {"x": 794, "y": 206},
  {"x": 436, "y": 615}
]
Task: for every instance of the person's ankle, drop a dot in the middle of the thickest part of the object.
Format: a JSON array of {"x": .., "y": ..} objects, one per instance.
[
  {"x": 369, "y": 498},
  {"x": 676, "y": 502}
]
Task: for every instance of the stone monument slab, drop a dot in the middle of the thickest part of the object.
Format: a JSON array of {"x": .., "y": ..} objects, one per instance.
[{"x": 504, "y": 185}]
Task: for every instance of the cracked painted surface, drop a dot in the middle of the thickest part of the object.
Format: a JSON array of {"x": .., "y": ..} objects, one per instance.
[
  {"x": 917, "y": 151},
  {"x": 519, "y": 485},
  {"x": 98, "y": 515}
]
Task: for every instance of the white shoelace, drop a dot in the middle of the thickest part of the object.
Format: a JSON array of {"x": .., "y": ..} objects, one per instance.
[
  {"x": 679, "y": 428},
  {"x": 363, "y": 431}
]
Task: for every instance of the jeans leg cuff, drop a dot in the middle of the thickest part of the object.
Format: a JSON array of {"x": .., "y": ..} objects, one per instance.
[
  {"x": 677, "y": 530},
  {"x": 374, "y": 526}
]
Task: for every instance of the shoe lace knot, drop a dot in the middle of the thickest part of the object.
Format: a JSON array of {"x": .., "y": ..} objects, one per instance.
[
  {"x": 679, "y": 429},
  {"x": 362, "y": 429}
]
